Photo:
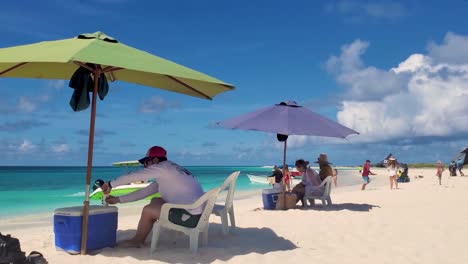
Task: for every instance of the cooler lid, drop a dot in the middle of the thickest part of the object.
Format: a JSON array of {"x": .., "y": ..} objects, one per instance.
[
  {"x": 78, "y": 210},
  {"x": 271, "y": 191}
]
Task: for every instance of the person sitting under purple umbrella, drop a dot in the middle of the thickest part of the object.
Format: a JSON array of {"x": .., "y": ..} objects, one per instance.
[
  {"x": 310, "y": 181},
  {"x": 325, "y": 168}
]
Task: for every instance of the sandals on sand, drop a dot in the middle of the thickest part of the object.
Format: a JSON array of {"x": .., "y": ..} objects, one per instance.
[{"x": 36, "y": 258}]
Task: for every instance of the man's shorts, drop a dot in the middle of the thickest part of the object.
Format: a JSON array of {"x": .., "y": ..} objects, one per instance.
[
  {"x": 176, "y": 216},
  {"x": 365, "y": 179}
]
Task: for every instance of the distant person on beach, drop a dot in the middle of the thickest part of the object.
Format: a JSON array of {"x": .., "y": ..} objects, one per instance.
[
  {"x": 453, "y": 168},
  {"x": 277, "y": 174},
  {"x": 335, "y": 176},
  {"x": 460, "y": 166},
  {"x": 310, "y": 181},
  {"x": 175, "y": 185},
  {"x": 365, "y": 174},
  {"x": 392, "y": 172},
  {"x": 440, "y": 169},
  {"x": 287, "y": 178},
  {"x": 325, "y": 168}
]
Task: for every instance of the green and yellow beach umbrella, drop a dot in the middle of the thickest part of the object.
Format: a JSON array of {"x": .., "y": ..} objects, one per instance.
[{"x": 104, "y": 56}]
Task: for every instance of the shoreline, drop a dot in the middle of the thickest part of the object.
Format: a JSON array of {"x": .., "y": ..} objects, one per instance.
[{"x": 44, "y": 218}]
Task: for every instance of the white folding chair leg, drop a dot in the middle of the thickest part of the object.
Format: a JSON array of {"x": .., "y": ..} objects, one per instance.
[
  {"x": 232, "y": 218},
  {"x": 154, "y": 239},
  {"x": 224, "y": 222},
  {"x": 194, "y": 241},
  {"x": 205, "y": 236}
]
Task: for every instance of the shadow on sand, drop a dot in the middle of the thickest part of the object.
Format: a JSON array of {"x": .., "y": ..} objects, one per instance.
[
  {"x": 173, "y": 247},
  {"x": 345, "y": 206}
]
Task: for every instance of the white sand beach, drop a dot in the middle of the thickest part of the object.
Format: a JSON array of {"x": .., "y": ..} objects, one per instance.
[{"x": 421, "y": 222}]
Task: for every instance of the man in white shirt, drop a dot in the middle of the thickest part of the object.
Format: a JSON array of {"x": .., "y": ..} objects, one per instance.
[{"x": 175, "y": 185}]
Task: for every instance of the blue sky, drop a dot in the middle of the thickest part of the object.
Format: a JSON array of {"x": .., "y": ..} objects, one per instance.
[{"x": 396, "y": 71}]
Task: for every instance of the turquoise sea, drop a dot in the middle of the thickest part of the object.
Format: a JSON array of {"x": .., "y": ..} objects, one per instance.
[{"x": 30, "y": 190}]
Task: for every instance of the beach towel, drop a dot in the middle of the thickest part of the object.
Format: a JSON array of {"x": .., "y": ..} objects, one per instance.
[{"x": 82, "y": 82}]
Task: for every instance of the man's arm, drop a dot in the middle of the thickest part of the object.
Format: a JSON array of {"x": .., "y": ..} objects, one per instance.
[
  {"x": 141, "y": 175},
  {"x": 140, "y": 194}
]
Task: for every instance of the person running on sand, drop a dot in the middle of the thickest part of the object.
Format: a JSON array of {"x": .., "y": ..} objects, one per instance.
[
  {"x": 175, "y": 185},
  {"x": 392, "y": 172},
  {"x": 440, "y": 169},
  {"x": 365, "y": 174}
]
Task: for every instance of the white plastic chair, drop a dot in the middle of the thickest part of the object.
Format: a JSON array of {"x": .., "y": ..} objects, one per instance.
[
  {"x": 209, "y": 199},
  {"x": 326, "y": 200},
  {"x": 228, "y": 208}
]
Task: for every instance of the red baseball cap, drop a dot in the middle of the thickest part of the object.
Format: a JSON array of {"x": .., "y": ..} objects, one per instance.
[{"x": 153, "y": 152}]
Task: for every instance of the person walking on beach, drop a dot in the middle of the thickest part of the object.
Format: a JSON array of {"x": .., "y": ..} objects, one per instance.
[
  {"x": 392, "y": 172},
  {"x": 175, "y": 185},
  {"x": 365, "y": 174},
  {"x": 310, "y": 181},
  {"x": 440, "y": 169}
]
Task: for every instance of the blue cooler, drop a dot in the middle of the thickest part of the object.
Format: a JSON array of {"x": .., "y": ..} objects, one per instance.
[
  {"x": 270, "y": 196},
  {"x": 102, "y": 228}
]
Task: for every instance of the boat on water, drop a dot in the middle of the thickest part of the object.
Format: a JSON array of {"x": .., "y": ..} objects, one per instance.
[
  {"x": 263, "y": 179},
  {"x": 128, "y": 167}
]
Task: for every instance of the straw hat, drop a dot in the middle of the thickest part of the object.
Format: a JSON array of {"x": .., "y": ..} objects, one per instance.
[{"x": 322, "y": 159}]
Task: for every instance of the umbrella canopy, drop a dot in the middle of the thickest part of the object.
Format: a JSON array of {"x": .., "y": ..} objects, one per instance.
[
  {"x": 103, "y": 56},
  {"x": 288, "y": 118},
  {"x": 59, "y": 59}
]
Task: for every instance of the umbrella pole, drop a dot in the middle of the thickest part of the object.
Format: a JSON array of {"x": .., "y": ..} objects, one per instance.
[
  {"x": 283, "y": 186},
  {"x": 84, "y": 224}
]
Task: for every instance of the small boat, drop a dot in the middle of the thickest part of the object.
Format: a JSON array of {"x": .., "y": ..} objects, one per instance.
[
  {"x": 263, "y": 179},
  {"x": 128, "y": 167}
]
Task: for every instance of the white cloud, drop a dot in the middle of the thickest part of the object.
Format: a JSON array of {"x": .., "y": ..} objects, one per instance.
[
  {"x": 60, "y": 148},
  {"x": 422, "y": 97},
  {"x": 363, "y": 83},
  {"x": 26, "y": 105},
  {"x": 56, "y": 84},
  {"x": 358, "y": 10},
  {"x": 30, "y": 104},
  {"x": 26, "y": 146},
  {"x": 453, "y": 50},
  {"x": 157, "y": 105}
]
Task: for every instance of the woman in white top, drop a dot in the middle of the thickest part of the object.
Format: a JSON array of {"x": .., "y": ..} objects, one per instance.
[
  {"x": 392, "y": 172},
  {"x": 310, "y": 181}
]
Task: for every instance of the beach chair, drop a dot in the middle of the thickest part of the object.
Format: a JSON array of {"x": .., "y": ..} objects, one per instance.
[
  {"x": 325, "y": 197},
  {"x": 208, "y": 199},
  {"x": 228, "y": 208}
]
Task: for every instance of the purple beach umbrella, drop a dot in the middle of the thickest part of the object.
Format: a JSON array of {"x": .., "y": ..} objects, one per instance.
[{"x": 288, "y": 118}]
